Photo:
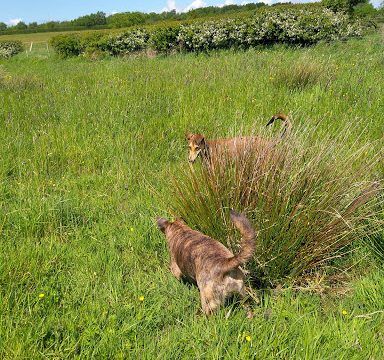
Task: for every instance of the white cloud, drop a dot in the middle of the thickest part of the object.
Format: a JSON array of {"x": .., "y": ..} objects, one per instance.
[
  {"x": 195, "y": 4},
  {"x": 171, "y": 5},
  {"x": 14, "y": 22},
  {"x": 226, "y": 2}
]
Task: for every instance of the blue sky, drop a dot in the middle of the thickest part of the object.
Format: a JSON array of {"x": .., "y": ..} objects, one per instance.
[{"x": 12, "y": 11}]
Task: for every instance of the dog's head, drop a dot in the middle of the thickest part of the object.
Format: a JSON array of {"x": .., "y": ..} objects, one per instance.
[
  {"x": 196, "y": 144},
  {"x": 162, "y": 223}
]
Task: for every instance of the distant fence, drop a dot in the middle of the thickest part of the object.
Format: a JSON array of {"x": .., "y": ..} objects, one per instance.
[{"x": 39, "y": 47}]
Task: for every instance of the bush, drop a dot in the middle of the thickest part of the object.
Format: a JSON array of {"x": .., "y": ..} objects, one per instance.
[
  {"x": 164, "y": 40},
  {"x": 299, "y": 26},
  {"x": 10, "y": 48},
  {"x": 127, "y": 42},
  {"x": 67, "y": 45},
  {"x": 307, "y": 198}
]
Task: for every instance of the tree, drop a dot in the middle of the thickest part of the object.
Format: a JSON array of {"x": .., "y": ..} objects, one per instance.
[
  {"x": 21, "y": 26},
  {"x": 3, "y": 26},
  {"x": 91, "y": 20},
  {"x": 365, "y": 10},
  {"x": 342, "y": 5},
  {"x": 126, "y": 19}
]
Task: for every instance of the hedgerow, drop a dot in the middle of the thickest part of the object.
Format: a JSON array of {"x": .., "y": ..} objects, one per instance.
[
  {"x": 289, "y": 25},
  {"x": 10, "y": 48}
]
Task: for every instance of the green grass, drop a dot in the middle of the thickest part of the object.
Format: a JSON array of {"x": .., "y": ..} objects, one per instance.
[
  {"x": 33, "y": 37},
  {"x": 88, "y": 151}
]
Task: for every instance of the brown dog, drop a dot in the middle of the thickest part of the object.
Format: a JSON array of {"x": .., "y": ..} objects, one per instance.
[
  {"x": 206, "y": 261},
  {"x": 210, "y": 149}
]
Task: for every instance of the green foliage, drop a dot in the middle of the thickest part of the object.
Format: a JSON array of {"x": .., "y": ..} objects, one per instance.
[
  {"x": 67, "y": 45},
  {"x": 164, "y": 39},
  {"x": 126, "y": 19},
  {"x": 91, "y": 20},
  {"x": 365, "y": 10},
  {"x": 21, "y": 25},
  {"x": 301, "y": 26},
  {"x": 127, "y": 42},
  {"x": 10, "y": 48},
  {"x": 342, "y": 5},
  {"x": 3, "y": 26}
]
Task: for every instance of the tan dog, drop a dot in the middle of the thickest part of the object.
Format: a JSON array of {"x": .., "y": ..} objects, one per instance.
[
  {"x": 206, "y": 261},
  {"x": 209, "y": 150}
]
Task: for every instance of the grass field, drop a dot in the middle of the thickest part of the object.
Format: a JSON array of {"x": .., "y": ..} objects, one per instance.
[
  {"x": 88, "y": 151},
  {"x": 35, "y": 37}
]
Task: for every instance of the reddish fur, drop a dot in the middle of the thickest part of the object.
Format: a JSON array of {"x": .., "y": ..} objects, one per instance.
[{"x": 210, "y": 150}]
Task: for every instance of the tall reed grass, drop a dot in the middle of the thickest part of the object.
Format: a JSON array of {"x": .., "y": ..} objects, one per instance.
[{"x": 309, "y": 197}]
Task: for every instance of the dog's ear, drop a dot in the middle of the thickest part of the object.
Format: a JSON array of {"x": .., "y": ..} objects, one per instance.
[
  {"x": 188, "y": 136},
  {"x": 200, "y": 139},
  {"x": 162, "y": 223}
]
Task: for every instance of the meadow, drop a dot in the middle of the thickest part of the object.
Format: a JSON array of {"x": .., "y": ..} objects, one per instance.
[
  {"x": 35, "y": 37},
  {"x": 89, "y": 149}
]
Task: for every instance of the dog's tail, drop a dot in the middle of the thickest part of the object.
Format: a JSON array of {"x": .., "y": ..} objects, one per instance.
[
  {"x": 287, "y": 123},
  {"x": 248, "y": 236}
]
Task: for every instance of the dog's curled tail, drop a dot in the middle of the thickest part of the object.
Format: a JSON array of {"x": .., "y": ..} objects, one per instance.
[
  {"x": 248, "y": 236},
  {"x": 287, "y": 123}
]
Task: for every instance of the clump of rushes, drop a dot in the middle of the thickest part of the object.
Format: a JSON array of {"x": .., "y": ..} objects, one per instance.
[
  {"x": 303, "y": 74},
  {"x": 309, "y": 197}
]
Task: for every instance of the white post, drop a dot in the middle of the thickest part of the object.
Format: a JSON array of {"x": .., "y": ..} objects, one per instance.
[{"x": 30, "y": 48}]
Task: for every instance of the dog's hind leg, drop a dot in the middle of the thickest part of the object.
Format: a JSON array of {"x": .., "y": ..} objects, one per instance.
[
  {"x": 246, "y": 303},
  {"x": 208, "y": 301},
  {"x": 175, "y": 269}
]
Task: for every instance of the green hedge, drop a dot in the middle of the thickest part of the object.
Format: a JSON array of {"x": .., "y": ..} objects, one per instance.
[
  {"x": 10, "y": 48},
  {"x": 284, "y": 24}
]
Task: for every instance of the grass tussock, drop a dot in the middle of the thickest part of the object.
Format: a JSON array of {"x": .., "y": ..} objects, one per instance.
[
  {"x": 308, "y": 198},
  {"x": 18, "y": 82},
  {"x": 305, "y": 73}
]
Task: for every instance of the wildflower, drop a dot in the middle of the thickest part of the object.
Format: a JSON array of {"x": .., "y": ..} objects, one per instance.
[
  {"x": 131, "y": 229},
  {"x": 248, "y": 338},
  {"x": 344, "y": 312},
  {"x": 41, "y": 296},
  {"x": 141, "y": 298}
]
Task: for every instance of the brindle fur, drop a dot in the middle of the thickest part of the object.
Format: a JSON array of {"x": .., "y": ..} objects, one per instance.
[
  {"x": 210, "y": 150},
  {"x": 206, "y": 261}
]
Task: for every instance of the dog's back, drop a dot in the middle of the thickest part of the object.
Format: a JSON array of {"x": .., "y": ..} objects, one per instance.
[
  {"x": 196, "y": 253},
  {"x": 213, "y": 150},
  {"x": 234, "y": 147}
]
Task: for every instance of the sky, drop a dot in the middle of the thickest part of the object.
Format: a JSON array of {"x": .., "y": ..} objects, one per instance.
[{"x": 13, "y": 11}]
